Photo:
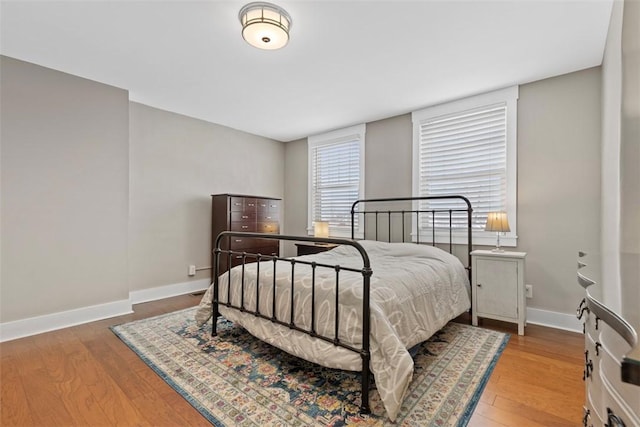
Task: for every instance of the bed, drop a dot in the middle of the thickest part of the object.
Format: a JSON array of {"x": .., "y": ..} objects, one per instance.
[{"x": 390, "y": 295}]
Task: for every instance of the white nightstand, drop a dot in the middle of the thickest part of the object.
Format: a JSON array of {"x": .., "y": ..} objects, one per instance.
[{"x": 498, "y": 287}]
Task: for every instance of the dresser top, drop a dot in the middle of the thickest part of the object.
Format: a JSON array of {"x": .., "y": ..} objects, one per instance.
[
  {"x": 245, "y": 195},
  {"x": 503, "y": 254}
]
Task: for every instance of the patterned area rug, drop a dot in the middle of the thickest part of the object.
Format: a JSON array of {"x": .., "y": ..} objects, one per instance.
[{"x": 235, "y": 379}]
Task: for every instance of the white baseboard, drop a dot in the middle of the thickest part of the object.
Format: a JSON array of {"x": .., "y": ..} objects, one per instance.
[
  {"x": 51, "y": 322},
  {"x": 553, "y": 319},
  {"x": 64, "y": 319},
  {"x": 152, "y": 294}
]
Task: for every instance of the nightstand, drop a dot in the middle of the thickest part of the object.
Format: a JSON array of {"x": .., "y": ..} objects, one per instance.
[
  {"x": 498, "y": 287},
  {"x": 311, "y": 248}
]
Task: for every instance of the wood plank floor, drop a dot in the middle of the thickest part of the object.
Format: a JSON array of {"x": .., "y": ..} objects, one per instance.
[{"x": 85, "y": 376}]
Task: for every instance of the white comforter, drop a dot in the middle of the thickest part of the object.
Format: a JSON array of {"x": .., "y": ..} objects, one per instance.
[{"x": 415, "y": 291}]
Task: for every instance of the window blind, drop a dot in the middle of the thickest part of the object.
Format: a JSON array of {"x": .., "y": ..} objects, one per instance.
[
  {"x": 464, "y": 153},
  {"x": 335, "y": 182}
]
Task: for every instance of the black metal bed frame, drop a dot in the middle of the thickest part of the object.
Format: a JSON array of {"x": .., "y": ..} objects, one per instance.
[{"x": 366, "y": 272}]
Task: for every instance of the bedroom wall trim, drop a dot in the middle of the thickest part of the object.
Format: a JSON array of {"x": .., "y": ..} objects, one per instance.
[
  {"x": 153, "y": 294},
  {"x": 554, "y": 319},
  {"x": 64, "y": 319}
]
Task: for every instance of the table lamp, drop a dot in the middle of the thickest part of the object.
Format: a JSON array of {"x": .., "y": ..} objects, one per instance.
[
  {"x": 498, "y": 222},
  {"x": 321, "y": 229}
]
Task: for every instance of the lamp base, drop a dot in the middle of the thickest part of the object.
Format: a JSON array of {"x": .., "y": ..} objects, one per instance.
[{"x": 498, "y": 250}]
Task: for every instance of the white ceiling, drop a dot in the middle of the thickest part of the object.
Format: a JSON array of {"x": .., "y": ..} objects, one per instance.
[{"x": 348, "y": 62}]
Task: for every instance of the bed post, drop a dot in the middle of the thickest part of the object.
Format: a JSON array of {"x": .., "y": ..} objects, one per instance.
[
  {"x": 214, "y": 298},
  {"x": 366, "y": 327},
  {"x": 353, "y": 210}
]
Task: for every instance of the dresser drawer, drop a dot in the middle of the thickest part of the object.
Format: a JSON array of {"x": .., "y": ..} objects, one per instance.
[
  {"x": 272, "y": 249},
  {"x": 239, "y": 216},
  {"x": 250, "y": 204},
  {"x": 249, "y": 226},
  {"x": 611, "y": 402},
  {"x": 268, "y": 227},
  {"x": 236, "y": 204},
  {"x": 243, "y": 243},
  {"x": 267, "y": 205},
  {"x": 613, "y": 347},
  {"x": 267, "y": 216}
]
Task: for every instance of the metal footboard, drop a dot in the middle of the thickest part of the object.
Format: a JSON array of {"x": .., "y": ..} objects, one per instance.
[{"x": 246, "y": 258}]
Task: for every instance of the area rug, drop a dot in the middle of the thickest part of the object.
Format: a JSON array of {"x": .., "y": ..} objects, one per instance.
[{"x": 235, "y": 379}]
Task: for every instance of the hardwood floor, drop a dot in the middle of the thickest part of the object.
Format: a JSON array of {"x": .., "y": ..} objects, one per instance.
[{"x": 85, "y": 376}]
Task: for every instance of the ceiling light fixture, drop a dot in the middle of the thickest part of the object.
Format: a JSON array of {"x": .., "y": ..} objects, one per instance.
[{"x": 265, "y": 25}]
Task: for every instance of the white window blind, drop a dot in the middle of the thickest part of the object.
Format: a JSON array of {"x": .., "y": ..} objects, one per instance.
[
  {"x": 335, "y": 178},
  {"x": 465, "y": 149}
]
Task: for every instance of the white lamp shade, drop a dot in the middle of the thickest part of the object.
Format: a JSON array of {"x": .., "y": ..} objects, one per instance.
[
  {"x": 265, "y": 26},
  {"x": 498, "y": 222},
  {"x": 321, "y": 229}
]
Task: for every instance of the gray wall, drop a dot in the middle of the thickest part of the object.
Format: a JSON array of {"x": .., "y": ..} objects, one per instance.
[
  {"x": 101, "y": 196},
  {"x": 295, "y": 190},
  {"x": 630, "y": 130},
  {"x": 558, "y": 178},
  {"x": 558, "y": 183},
  {"x": 388, "y": 157},
  {"x": 177, "y": 162},
  {"x": 630, "y": 162},
  {"x": 64, "y": 191}
]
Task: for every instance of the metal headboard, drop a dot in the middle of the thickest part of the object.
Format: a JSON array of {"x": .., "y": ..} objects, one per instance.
[{"x": 414, "y": 213}]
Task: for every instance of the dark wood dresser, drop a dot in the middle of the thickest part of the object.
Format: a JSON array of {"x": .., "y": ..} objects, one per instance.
[{"x": 235, "y": 212}]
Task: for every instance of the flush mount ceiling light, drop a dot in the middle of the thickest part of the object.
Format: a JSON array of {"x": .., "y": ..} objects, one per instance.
[{"x": 265, "y": 25}]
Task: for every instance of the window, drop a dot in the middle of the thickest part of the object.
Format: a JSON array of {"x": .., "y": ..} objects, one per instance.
[
  {"x": 468, "y": 147},
  {"x": 336, "y": 178}
]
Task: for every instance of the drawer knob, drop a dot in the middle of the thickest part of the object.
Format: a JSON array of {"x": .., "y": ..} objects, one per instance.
[
  {"x": 588, "y": 366},
  {"x": 479, "y": 285},
  {"x": 581, "y": 308},
  {"x": 586, "y": 418},
  {"x": 613, "y": 420}
]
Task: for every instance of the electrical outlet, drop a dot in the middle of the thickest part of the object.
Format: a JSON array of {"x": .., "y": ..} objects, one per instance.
[
  {"x": 192, "y": 270},
  {"x": 529, "y": 289}
]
